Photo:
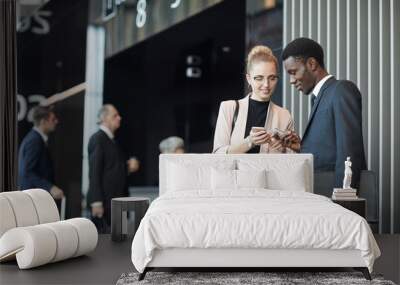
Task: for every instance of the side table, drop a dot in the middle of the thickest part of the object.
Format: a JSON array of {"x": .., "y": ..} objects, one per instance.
[
  {"x": 119, "y": 209},
  {"x": 357, "y": 205}
]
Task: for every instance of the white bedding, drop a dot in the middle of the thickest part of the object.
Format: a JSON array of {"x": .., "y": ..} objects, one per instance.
[{"x": 251, "y": 218}]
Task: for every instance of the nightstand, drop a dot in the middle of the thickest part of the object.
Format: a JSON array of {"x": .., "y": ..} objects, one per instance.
[
  {"x": 119, "y": 209},
  {"x": 357, "y": 205}
]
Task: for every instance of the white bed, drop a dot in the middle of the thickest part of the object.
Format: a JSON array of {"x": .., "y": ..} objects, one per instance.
[{"x": 247, "y": 211}]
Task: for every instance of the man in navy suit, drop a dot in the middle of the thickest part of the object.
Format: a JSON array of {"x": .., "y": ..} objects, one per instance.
[
  {"x": 334, "y": 129},
  {"x": 35, "y": 168}
]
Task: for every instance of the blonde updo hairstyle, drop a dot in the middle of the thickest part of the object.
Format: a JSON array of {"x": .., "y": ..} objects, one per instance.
[{"x": 260, "y": 53}]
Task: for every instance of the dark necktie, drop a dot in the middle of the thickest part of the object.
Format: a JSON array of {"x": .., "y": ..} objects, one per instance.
[{"x": 313, "y": 100}]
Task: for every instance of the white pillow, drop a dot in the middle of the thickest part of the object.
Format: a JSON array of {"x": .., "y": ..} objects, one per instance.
[
  {"x": 282, "y": 174},
  {"x": 223, "y": 179},
  {"x": 251, "y": 178},
  {"x": 237, "y": 179},
  {"x": 291, "y": 179},
  {"x": 192, "y": 176}
]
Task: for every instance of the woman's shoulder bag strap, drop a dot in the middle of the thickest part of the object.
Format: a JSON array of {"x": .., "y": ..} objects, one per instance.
[{"x": 235, "y": 115}]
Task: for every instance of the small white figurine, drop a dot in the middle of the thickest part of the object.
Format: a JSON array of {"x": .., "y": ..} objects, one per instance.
[{"x": 347, "y": 174}]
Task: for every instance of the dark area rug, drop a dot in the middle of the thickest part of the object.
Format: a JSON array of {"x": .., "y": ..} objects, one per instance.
[{"x": 228, "y": 278}]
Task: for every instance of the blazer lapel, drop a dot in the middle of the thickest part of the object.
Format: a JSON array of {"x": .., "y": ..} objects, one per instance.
[
  {"x": 317, "y": 101},
  {"x": 268, "y": 119},
  {"x": 268, "y": 124}
]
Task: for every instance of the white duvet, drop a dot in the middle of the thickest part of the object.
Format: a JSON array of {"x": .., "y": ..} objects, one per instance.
[{"x": 250, "y": 219}]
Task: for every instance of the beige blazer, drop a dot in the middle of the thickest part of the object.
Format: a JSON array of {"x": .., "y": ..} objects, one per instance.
[{"x": 277, "y": 117}]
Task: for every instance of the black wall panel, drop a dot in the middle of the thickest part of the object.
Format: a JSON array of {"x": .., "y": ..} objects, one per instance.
[
  {"x": 149, "y": 86},
  {"x": 50, "y": 63}
]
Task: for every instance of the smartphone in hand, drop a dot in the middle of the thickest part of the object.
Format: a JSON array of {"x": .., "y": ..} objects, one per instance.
[
  {"x": 257, "y": 129},
  {"x": 280, "y": 133}
]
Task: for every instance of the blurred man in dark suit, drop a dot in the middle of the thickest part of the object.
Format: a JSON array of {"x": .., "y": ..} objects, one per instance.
[
  {"x": 35, "y": 168},
  {"x": 108, "y": 167},
  {"x": 334, "y": 129}
]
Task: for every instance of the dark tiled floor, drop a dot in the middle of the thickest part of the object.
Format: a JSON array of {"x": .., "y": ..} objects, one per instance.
[
  {"x": 102, "y": 266},
  {"x": 389, "y": 262},
  {"x": 110, "y": 260}
]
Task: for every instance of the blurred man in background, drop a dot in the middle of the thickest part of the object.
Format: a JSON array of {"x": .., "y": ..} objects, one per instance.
[
  {"x": 172, "y": 145},
  {"x": 108, "y": 168},
  {"x": 35, "y": 164}
]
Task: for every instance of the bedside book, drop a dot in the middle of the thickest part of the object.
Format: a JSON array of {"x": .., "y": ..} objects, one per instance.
[
  {"x": 335, "y": 197},
  {"x": 344, "y": 194},
  {"x": 341, "y": 190}
]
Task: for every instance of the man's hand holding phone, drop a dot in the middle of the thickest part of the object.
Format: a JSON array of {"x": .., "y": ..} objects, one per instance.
[
  {"x": 275, "y": 141},
  {"x": 292, "y": 141}
]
